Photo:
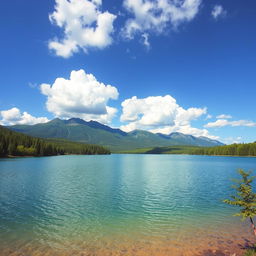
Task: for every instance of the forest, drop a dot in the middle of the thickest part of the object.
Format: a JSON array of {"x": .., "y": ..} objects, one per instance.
[
  {"x": 17, "y": 144},
  {"x": 242, "y": 149}
]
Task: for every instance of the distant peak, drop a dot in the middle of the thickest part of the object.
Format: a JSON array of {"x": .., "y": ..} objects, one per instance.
[
  {"x": 176, "y": 133},
  {"x": 98, "y": 125},
  {"x": 94, "y": 122},
  {"x": 142, "y": 131},
  {"x": 76, "y": 120},
  {"x": 56, "y": 120}
]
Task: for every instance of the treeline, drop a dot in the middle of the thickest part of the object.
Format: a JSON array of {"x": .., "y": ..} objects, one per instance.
[
  {"x": 244, "y": 149},
  {"x": 17, "y": 144}
]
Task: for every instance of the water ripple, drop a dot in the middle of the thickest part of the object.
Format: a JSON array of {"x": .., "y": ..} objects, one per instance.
[{"x": 89, "y": 199}]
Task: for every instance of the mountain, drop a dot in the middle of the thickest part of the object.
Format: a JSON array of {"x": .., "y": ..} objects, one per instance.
[
  {"x": 17, "y": 144},
  {"x": 184, "y": 139},
  {"x": 93, "y": 132}
]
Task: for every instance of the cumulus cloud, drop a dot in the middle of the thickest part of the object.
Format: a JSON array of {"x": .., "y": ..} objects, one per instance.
[
  {"x": 223, "y": 116},
  {"x": 160, "y": 114},
  {"x": 80, "y": 96},
  {"x": 157, "y": 15},
  {"x": 218, "y": 11},
  {"x": 14, "y": 116},
  {"x": 225, "y": 122},
  {"x": 84, "y": 26}
]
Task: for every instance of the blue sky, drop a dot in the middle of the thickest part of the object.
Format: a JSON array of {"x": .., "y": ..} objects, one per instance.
[{"x": 163, "y": 66}]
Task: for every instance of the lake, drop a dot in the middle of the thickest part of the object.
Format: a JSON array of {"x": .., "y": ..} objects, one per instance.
[{"x": 120, "y": 205}]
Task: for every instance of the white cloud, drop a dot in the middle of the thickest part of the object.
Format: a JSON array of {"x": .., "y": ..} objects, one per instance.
[
  {"x": 83, "y": 24},
  {"x": 208, "y": 117},
  {"x": 225, "y": 122},
  {"x": 223, "y": 116},
  {"x": 14, "y": 116},
  {"x": 161, "y": 114},
  {"x": 217, "y": 123},
  {"x": 232, "y": 140},
  {"x": 151, "y": 111},
  {"x": 157, "y": 15},
  {"x": 218, "y": 12},
  {"x": 145, "y": 40},
  {"x": 80, "y": 96},
  {"x": 186, "y": 129}
]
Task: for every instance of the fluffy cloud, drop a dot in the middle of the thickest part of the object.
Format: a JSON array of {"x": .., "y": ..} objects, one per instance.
[
  {"x": 218, "y": 12},
  {"x": 80, "y": 96},
  {"x": 14, "y": 116},
  {"x": 225, "y": 122},
  {"x": 84, "y": 26},
  {"x": 157, "y": 15},
  {"x": 160, "y": 114},
  {"x": 223, "y": 116}
]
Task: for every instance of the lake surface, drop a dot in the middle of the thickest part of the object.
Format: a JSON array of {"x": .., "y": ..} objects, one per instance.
[{"x": 120, "y": 205}]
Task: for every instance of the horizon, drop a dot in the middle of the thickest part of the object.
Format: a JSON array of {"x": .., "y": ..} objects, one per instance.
[{"x": 186, "y": 67}]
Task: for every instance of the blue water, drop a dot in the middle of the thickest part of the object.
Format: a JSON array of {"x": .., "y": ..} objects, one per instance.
[{"x": 56, "y": 202}]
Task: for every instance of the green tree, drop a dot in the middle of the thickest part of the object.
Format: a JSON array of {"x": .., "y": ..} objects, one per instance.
[
  {"x": 244, "y": 198},
  {"x": 17, "y": 144},
  {"x": 12, "y": 149}
]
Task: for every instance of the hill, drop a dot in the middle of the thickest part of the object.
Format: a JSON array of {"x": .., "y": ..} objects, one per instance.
[
  {"x": 92, "y": 132},
  {"x": 17, "y": 144},
  {"x": 164, "y": 150},
  {"x": 242, "y": 149}
]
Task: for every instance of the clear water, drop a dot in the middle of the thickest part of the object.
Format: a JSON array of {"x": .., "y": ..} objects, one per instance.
[{"x": 127, "y": 204}]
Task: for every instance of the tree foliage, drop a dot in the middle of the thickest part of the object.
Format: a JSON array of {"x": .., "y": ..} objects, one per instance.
[
  {"x": 245, "y": 198},
  {"x": 243, "y": 149},
  {"x": 17, "y": 144}
]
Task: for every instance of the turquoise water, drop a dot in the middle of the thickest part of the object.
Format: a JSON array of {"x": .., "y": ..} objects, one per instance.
[{"x": 77, "y": 202}]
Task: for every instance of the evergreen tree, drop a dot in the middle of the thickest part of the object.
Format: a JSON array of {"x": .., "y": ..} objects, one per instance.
[
  {"x": 243, "y": 149},
  {"x": 11, "y": 149},
  {"x": 244, "y": 198},
  {"x": 17, "y": 144}
]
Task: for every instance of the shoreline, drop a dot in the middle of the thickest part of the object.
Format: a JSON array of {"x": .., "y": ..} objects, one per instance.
[
  {"x": 178, "y": 247},
  {"x": 11, "y": 156},
  {"x": 127, "y": 153},
  {"x": 122, "y": 153}
]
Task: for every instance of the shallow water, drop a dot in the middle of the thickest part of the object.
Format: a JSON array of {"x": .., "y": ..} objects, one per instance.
[{"x": 120, "y": 205}]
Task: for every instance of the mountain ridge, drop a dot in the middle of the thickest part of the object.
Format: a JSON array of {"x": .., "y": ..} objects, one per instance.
[{"x": 93, "y": 132}]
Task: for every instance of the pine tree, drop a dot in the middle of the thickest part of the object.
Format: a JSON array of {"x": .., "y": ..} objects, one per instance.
[
  {"x": 14, "y": 143},
  {"x": 11, "y": 149},
  {"x": 245, "y": 198}
]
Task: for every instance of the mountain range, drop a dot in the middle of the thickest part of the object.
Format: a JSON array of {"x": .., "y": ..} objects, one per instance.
[{"x": 93, "y": 132}]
